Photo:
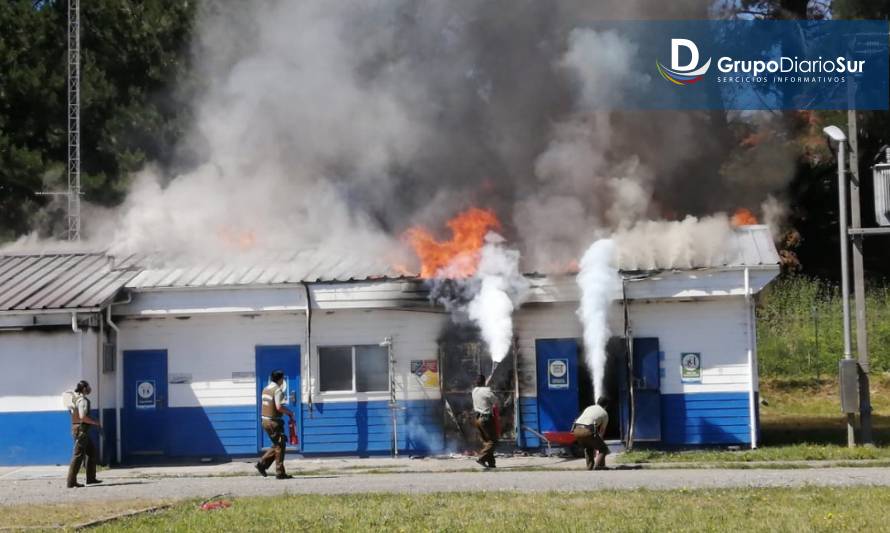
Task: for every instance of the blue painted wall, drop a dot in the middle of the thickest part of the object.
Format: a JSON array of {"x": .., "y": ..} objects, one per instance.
[
  {"x": 211, "y": 431},
  {"x": 36, "y": 438},
  {"x": 528, "y": 417},
  {"x": 705, "y": 418},
  {"x": 194, "y": 432},
  {"x": 366, "y": 427}
]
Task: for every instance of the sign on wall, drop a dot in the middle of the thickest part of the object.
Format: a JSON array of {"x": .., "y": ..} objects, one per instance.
[
  {"x": 557, "y": 373},
  {"x": 427, "y": 372},
  {"x": 145, "y": 394},
  {"x": 690, "y": 367}
]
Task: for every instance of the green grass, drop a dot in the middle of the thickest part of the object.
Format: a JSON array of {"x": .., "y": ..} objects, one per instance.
[
  {"x": 67, "y": 514},
  {"x": 775, "y": 509},
  {"x": 794, "y": 452},
  {"x": 799, "y": 327}
]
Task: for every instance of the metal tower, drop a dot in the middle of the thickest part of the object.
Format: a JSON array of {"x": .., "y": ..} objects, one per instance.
[{"x": 73, "y": 120}]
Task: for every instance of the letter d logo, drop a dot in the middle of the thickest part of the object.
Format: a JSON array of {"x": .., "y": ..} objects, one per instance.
[{"x": 683, "y": 74}]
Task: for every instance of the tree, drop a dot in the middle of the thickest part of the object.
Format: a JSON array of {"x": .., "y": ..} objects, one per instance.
[{"x": 136, "y": 83}]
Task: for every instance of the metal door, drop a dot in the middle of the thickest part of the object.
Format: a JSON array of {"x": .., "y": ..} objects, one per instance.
[
  {"x": 646, "y": 381},
  {"x": 286, "y": 359},
  {"x": 144, "y": 419},
  {"x": 557, "y": 362}
]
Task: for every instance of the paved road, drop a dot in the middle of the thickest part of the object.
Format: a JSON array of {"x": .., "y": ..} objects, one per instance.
[{"x": 52, "y": 490}]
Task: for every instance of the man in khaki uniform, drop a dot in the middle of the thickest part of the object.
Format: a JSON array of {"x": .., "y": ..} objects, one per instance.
[
  {"x": 84, "y": 450},
  {"x": 484, "y": 401},
  {"x": 589, "y": 429},
  {"x": 273, "y": 408}
]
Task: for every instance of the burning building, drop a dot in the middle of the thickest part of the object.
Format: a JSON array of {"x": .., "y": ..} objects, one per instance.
[{"x": 178, "y": 356}]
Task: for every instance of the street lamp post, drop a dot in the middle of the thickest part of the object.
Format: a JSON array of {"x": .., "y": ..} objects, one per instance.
[{"x": 837, "y": 135}]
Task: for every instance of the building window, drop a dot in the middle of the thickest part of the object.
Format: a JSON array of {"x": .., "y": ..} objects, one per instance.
[{"x": 353, "y": 368}]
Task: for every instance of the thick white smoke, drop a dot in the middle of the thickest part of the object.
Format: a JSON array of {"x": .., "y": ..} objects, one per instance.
[
  {"x": 338, "y": 125},
  {"x": 598, "y": 280},
  {"x": 502, "y": 289}
]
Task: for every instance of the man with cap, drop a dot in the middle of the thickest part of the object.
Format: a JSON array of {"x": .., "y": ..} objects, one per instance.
[
  {"x": 484, "y": 401},
  {"x": 274, "y": 406},
  {"x": 84, "y": 449},
  {"x": 589, "y": 429}
]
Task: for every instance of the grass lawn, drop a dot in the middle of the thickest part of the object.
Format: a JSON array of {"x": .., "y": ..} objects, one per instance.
[
  {"x": 807, "y": 509},
  {"x": 800, "y": 422},
  {"x": 62, "y": 515}
]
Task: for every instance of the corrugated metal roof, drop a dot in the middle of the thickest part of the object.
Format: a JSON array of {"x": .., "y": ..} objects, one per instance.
[
  {"x": 270, "y": 269},
  {"x": 63, "y": 281},
  {"x": 751, "y": 246}
]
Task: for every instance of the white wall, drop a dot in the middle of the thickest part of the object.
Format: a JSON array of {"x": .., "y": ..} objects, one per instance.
[
  {"x": 39, "y": 365},
  {"x": 414, "y": 335},
  {"x": 210, "y": 348},
  {"x": 715, "y": 328}
]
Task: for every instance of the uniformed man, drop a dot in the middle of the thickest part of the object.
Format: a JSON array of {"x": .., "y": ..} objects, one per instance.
[
  {"x": 273, "y": 409},
  {"x": 484, "y": 401},
  {"x": 589, "y": 429},
  {"x": 84, "y": 450}
]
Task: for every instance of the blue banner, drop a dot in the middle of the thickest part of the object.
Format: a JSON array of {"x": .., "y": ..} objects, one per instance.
[{"x": 741, "y": 65}]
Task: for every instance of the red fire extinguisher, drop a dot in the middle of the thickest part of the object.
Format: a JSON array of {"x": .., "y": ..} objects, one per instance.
[
  {"x": 496, "y": 414},
  {"x": 292, "y": 429}
]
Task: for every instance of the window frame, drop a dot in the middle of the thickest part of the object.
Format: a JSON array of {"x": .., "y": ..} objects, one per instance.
[{"x": 353, "y": 390}]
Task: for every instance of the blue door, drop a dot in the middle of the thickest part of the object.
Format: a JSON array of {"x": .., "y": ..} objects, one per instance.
[
  {"x": 557, "y": 386},
  {"x": 144, "y": 418},
  {"x": 646, "y": 382},
  {"x": 286, "y": 359}
]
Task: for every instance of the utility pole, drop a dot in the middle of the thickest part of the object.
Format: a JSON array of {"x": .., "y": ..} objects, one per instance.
[
  {"x": 73, "y": 120},
  {"x": 865, "y": 429}
]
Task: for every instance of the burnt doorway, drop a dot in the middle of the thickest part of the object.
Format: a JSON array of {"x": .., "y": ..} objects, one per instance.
[
  {"x": 462, "y": 357},
  {"x": 614, "y": 383}
]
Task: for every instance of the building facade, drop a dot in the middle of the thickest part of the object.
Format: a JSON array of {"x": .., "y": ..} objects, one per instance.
[{"x": 179, "y": 357}]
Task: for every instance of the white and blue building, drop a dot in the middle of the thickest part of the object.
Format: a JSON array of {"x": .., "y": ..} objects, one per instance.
[{"x": 178, "y": 356}]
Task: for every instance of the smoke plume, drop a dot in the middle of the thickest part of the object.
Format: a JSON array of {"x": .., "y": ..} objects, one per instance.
[
  {"x": 598, "y": 280},
  {"x": 502, "y": 288},
  {"x": 339, "y": 125}
]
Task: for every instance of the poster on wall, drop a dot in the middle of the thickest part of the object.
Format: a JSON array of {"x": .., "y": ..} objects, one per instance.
[
  {"x": 557, "y": 373},
  {"x": 427, "y": 372},
  {"x": 145, "y": 394},
  {"x": 690, "y": 367}
]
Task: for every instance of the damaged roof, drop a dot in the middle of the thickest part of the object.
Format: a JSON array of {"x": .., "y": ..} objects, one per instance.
[
  {"x": 60, "y": 281},
  {"x": 751, "y": 246},
  {"x": 71, "y": 281},
  {"x": 307, "y": 266}
]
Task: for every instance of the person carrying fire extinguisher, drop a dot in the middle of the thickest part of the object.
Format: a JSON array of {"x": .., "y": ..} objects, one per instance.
[
  {"x": 484, "y": 403},
  {"x": 589, "y": 429},
  {"x": 274, "y": 406}
]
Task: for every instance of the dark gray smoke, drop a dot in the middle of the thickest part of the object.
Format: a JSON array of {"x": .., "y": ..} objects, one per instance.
[{"x": 339, "y": 124}]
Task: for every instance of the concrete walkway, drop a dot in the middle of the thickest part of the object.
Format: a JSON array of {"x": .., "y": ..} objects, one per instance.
[
  {"x": 347, "y": 475},
  {"x": 337, "y": 465}
]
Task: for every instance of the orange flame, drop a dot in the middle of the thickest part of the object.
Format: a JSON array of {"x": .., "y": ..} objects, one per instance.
[
  {"x": 743, "y": 217},
  {"x": 459, "y": 256},
  {"x": 242, "y": 240}
]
